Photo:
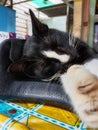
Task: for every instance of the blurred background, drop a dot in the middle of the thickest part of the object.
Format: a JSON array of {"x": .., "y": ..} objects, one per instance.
[{"x": 79, "y": 17}]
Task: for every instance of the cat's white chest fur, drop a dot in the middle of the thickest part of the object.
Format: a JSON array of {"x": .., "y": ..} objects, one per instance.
[{"x": 92, "y": 66}]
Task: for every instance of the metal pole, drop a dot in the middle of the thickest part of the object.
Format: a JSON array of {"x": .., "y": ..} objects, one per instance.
[{"x": 91, "y": 22}]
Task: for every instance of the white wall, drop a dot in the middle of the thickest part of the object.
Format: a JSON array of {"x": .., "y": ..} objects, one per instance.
[{"x": 55, "y": 22}]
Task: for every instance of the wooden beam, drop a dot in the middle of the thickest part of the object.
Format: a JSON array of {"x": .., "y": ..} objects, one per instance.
[
  {"x": 69, "y": 19},
  {"x": 21, "y": 2},
  {"x": 4, "y": 3},
  {"x": 77, "y": 18},
  {"x": 11, "y": 4},
  {"x": 85, "y": 20}
]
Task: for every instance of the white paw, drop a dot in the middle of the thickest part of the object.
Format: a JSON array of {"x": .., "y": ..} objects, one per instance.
[{"x": 82, "y": 87}]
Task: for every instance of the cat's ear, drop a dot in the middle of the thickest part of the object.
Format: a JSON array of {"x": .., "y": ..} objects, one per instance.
[
  {"x": 17, "y": 67},
  {"x": 38, "y": 28}
]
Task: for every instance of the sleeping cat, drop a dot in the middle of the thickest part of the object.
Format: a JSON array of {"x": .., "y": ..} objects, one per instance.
[{"x": 48, "y": 53}]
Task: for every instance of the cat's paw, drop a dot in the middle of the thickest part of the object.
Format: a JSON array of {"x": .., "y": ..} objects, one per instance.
[
  {"x": 81, "y": 78},
  {"x": 82, "y": 88}
]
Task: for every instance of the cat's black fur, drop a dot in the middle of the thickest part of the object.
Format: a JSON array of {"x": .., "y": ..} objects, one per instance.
[{"x": 36, "y": 65}]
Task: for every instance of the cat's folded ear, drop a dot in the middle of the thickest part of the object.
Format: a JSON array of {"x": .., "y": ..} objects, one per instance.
[
  {"x": 39, "y": 29},
  {"x": 17, "y": 67}
]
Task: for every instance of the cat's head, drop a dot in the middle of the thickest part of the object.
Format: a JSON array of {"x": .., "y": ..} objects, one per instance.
[{"x": 46, "y": 52}]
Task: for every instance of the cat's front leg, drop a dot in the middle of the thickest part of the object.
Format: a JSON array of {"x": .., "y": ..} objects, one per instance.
[{"x": 82, "y": 87}]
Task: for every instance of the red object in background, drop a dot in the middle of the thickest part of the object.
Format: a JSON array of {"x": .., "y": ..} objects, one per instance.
[
  {"x": 27, "y": 36},
  {"x": 96, "y": 11}
]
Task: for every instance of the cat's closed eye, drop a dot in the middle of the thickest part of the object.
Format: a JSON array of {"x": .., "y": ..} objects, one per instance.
[{"x": 60, "y": 50}]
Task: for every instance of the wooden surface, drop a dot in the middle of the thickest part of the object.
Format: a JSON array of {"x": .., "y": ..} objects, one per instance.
[{"x": 77, "y": 18}]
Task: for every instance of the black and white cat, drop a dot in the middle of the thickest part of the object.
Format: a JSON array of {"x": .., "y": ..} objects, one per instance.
[{"x": 49, "y": 53}]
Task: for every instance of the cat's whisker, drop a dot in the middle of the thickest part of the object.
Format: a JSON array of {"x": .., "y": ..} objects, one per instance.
[
  {"x": 53, "y": 77},
  {"x": 48, "y": 84},
  {"x": 74, "y": 41},
  {"x": 58, "y": 81},
  {"x": 70, "y": 42},
  {"x": 55, "y": 80},
  {"x": 52, "y": 81}
]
